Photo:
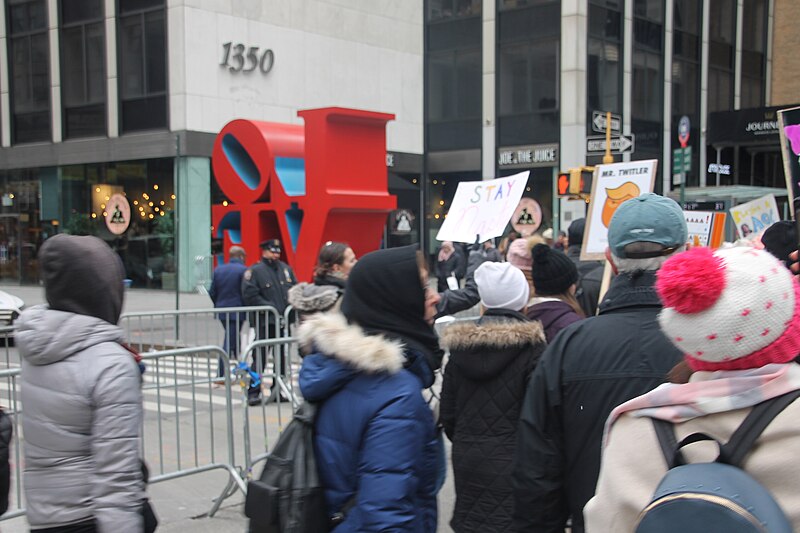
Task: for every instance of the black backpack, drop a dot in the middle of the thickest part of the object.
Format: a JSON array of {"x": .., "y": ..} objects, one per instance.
[
  {"x": 289, "y": 497},
  {"x": 717, "y": 497}
]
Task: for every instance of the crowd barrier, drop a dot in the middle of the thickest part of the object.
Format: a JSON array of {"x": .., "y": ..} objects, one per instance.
[{"x": 165, "y": 330}]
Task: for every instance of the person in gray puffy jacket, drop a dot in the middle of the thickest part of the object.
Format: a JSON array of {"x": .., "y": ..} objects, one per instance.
[{"x": 82, "y": 395}]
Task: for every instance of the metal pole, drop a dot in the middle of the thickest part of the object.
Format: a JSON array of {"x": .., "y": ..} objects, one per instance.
[
  {"x": 175, "y": 225},
  {"x": 608, "y": 158}
]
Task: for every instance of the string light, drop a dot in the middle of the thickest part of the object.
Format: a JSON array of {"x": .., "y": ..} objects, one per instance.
[
  {"x": 436, "y": 216},
  {"x": 152, "y": 215},
  {"x": 172, "y": 196},
  {"x": 435, "y": 182},
  {"x": 105, "y": 214},
  {"x": 156, "y": 210},
  {"x": 155, "y": 187},
  {"x": 94, "y": 215},
  {"x": 102, "y": 206},
  {"x": 150, "y": 204},
  {"x": 11, "y": 195},
  {"x": 161, "y": 213},
  {"x": 441, "y": 202},
  {"x": 225, "y": 203},
  {"x": 136, "y": 202},
  {"x": 97, "y": 189},
  {"x": 162, "y": 202}
]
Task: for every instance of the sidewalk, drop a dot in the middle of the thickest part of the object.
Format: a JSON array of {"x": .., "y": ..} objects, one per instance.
[{"x": 136, "y": 300}]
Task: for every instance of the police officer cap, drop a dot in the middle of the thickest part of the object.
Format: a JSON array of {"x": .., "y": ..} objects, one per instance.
[{"x": 273, "y": 245}]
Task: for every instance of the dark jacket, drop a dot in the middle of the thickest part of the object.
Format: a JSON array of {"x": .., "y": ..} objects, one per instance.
[
  {"x": 375, "y": 435},
  {"x": 484, "y": 383},
  {"x": 6, "y": 431},
  {"x": 226, "y": 284},
  {"x": 554, "y": 315},
  {"x": 591, "y": 367},
  {"x": 590, "y": 277},
  {"x": 454, "y": 265},
  {"x": 266, "y": 284}
]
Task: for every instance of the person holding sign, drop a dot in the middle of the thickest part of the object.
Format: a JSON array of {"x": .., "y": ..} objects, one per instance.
[{"x": 593, "y": 366}]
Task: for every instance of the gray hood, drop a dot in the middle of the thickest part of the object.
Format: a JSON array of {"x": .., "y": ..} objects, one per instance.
[{"x": 45, "y": 336}]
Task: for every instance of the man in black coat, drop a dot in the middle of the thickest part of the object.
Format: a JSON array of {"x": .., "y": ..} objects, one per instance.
[
  {"x": 591, "y": 367},
  {"x": 266, "y": 284},
  {"x": 590, "y": 273}
]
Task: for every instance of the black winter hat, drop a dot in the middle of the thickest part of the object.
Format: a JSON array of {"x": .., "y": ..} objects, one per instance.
[
  {"x": 780, "y": 240},
  {"x": 82, "y": 275},
  {"x": 575, "y": 232},
  {"x": 553, "y": 272}
]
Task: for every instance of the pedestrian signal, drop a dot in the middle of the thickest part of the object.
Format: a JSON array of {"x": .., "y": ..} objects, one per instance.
[{"x": 575, "y": 181}]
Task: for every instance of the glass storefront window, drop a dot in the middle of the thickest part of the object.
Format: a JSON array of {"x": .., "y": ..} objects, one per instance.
[{"x": 147, "y": 247}]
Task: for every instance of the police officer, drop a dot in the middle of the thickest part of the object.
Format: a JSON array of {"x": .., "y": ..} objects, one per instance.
[{"x": 266, "y": 284}]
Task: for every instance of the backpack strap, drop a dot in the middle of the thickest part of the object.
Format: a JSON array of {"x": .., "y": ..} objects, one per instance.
[
  {"x": 742, "y": 440},
  {"x": 665, "y": 432}
]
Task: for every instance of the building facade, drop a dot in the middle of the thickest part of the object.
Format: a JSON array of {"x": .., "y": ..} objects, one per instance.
[
  {"x": 102, "y": 98},
  {"x": 533, "y": 80}
]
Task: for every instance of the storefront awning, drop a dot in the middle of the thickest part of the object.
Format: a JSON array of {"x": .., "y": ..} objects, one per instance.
[{"x": 731, "y": 194}]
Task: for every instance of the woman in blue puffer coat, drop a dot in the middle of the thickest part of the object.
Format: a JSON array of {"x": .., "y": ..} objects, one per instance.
[{"x": 375, "y": 442}]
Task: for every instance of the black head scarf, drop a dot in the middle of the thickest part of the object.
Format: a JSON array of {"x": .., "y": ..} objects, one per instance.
[
  {"x": 82, "y": 275},
  {"x": 384, "y": 295}
]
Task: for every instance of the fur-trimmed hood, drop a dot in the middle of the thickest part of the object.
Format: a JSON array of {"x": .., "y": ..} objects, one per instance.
[
  {"x": 340, "y": 352},
  {"x": 308, "y": 298},
  {"x": 483, "y": 349},
  {"x": 330, "y": 334}
]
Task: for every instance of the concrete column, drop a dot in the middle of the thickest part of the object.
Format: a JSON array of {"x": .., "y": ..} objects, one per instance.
[
  {"x": 55, "y": 71},
  {"x": 193, "y": 204},
  {"x": 737, "y": 69},
  {"x": 112, "y": 79},
  {"x": 627, "y": 71},
  {"x": 5, "y": 101},
  {"x": 489, "y": 47},
  {"x": 666, "y": 141},
  {"x": 704, "y": 38},
  {"x": 770, "y": 36},
  {"x": 572, "y": 87}
]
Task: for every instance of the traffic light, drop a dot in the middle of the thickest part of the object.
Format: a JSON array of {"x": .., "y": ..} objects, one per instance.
[{"x": 576, "y": 182}]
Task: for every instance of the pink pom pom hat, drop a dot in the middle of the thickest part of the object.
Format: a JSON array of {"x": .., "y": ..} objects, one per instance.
[{"x": 730, "y": 309}]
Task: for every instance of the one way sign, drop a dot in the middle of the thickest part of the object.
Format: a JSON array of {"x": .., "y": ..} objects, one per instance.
[
  {"x": 599, "y": 122},
  {"x": 621, "y": 144}
]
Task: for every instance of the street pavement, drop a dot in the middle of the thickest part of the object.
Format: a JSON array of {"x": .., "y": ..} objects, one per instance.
[{"x": 186, "y": 419}]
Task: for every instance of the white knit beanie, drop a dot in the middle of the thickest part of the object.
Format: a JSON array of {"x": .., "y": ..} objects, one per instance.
[
  {"x": 502, "y": 286},
  {"x": 730, "y": 309}
]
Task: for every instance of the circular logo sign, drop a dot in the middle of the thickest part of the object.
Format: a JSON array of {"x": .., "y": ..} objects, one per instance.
[
  {"x": 527, "y": 217},
  {"x": 683, "y": 130},
  {"x": 118, "y": 214}
]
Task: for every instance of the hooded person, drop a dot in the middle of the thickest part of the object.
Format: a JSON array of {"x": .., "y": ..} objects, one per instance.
[
  {"x": 82, "y": 394},
  {"x": 735, "y": 315},
  {"x": 484, "y": 383},
  {"x": 555, "y": 279},
  {"x": 375, "y": 440}
]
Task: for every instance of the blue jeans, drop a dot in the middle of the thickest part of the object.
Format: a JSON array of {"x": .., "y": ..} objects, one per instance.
[{"x": 232, "y": 324}]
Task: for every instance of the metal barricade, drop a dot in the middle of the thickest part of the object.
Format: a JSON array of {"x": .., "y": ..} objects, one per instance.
[
  {"x": 283, "y": 374},
  {"x": 168, "y": 330},
  {"x": 183, "y": 435},
  {"x": 189, "y": 426}
]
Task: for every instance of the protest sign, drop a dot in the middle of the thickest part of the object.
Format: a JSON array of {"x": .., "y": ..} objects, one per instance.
[
  {"x": 706, "y": 228},
  {"x": 482, "y": 209},
  {"x": 789, "y": 129},
  {"x": 752, "y": 218},
  {"x": 612, "y": 185}
]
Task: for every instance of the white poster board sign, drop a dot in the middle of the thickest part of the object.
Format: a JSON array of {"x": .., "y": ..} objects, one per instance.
[
  {"x": 698, "y": 224},
  {"x": 612, "y": 185},
  {"x": 752, "y": 218},
  {"x": 482, "y": 208}
]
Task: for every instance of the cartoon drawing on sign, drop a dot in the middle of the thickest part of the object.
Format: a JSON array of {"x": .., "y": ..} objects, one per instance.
[
  {"x": 525, "y": 217},
  {"x": 615, "y": 197},
  {"x": 117, "y": 217},
  {"x": 403, "y": 224}
]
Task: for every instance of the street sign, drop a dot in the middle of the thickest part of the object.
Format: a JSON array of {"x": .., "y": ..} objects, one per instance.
[
  {"x": 684, "y": 126},
  {"x": 681, "y": 160},
  {"x": 622, "y": 144},
  {"x": 599, "y": 122}
]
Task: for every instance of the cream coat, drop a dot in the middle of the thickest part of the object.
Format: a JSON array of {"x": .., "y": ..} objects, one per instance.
[{"x": 633, "y": 465}]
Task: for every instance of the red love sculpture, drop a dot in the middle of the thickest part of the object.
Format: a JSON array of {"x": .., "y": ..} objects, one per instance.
[{"x": 326, "y": 181}]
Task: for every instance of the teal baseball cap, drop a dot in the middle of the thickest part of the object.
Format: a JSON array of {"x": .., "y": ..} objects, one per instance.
[{"x": 647, "y": 218}]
